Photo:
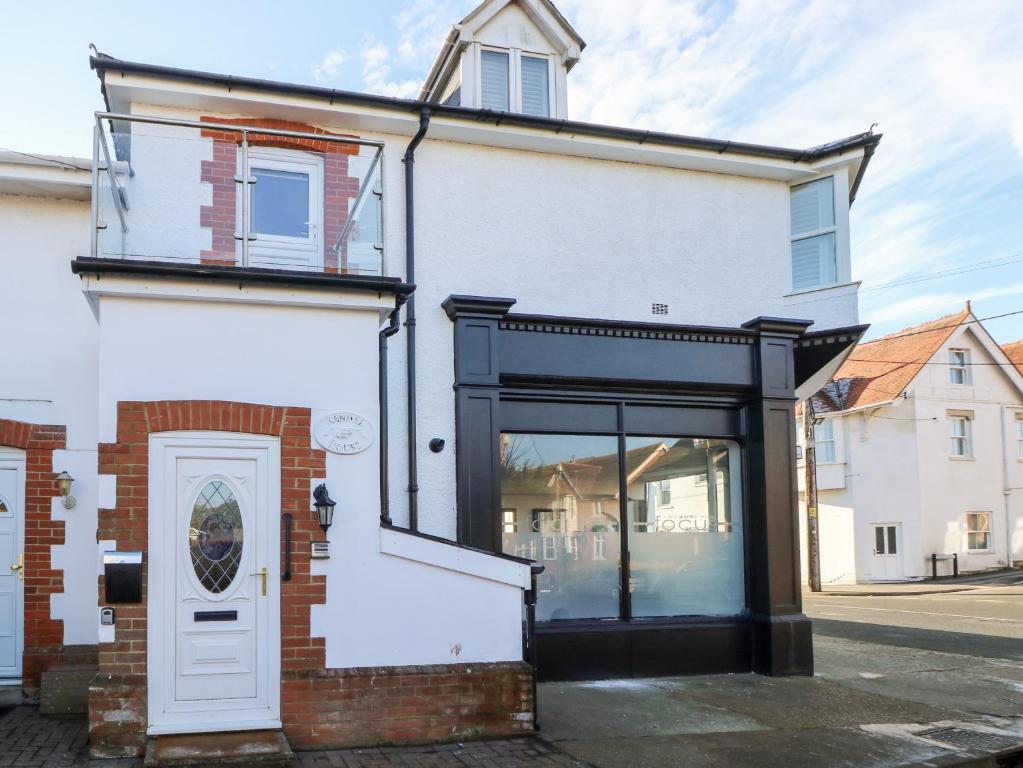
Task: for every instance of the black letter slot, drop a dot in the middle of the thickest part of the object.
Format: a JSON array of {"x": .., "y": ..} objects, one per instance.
[{"x": 215, "y": 615}]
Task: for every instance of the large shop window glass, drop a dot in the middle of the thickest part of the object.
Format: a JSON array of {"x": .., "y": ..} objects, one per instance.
[
  {"x": 559, "y": 506},
  {"x": 685, "y": 543}
]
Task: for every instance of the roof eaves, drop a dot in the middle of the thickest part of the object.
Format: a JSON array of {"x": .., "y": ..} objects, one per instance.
[{"x": 105, "y": 63}]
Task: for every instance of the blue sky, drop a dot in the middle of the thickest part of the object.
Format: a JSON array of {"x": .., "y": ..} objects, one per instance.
[{"x": 942, "y": 78}]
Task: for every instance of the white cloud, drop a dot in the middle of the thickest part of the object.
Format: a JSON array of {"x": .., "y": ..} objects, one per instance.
[
  {"x": 329, "y": 66},
  {"x": 376, "y": 71}
]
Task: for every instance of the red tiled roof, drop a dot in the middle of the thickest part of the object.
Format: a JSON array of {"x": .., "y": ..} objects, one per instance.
[
  {"x": 878, "y": 371},
  {"x": 1014, "y": 351}
]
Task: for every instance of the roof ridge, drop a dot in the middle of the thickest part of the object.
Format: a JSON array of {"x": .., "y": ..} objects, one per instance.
[{"x": 922, "y": 327}]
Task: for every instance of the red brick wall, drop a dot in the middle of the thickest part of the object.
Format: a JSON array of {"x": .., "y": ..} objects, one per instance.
[
  {"x": 219, "y": 172},
  {"x": 331, "y": 708},
  {"x": 44, "y": 637}
]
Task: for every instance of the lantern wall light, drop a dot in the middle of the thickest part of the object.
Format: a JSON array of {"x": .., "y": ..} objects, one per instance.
[
  {"x": 324, "y": 507},
  {"x": 64, "y": 481}
]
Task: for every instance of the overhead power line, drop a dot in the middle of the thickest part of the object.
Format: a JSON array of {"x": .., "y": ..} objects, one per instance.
[{"x": 962, "y": 269}]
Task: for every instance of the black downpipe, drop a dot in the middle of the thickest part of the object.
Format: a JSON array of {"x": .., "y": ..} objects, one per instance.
[
  {"x": 410, "y": 318},
  {"x": 385, "y": 491}
]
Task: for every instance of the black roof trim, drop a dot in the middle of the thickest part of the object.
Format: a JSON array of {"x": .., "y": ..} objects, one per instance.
[
  {"x": 104, "y": 63},
  {"x": 459, "y": 545},
  {"x": 226, "y": 273},
  {"x": 627, "y": 325},
  {"x": 832, "y": 335}
]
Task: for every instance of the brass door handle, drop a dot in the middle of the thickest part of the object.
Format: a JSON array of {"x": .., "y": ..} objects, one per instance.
[
  {"x": 262, "y": 573},
  {"x": 19, "y": 567}
]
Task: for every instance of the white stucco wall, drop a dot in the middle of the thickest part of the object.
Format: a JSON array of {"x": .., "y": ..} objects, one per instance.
[
  {"x": 580, "y": 237},
  {"x": 381, "y": 609},
  {"x": 48, "y": 348}
]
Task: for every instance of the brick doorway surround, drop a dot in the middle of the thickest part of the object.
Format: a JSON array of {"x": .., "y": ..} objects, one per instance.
[
  {"x": 44, "y": 636},
  {"x": 320, "y": 707}
]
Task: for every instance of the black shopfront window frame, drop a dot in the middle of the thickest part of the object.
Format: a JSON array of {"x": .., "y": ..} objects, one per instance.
[
  {"x": 560, "y": 399},
  {"x": 746, "y": 376}
]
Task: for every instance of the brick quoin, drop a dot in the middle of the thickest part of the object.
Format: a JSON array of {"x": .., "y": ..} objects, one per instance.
[
  {"x": 44, "y": 636},
  {"x": 220, "y": 217},
  {"x": 117, "y": 700},
  {"x": 320, "y": 707}
]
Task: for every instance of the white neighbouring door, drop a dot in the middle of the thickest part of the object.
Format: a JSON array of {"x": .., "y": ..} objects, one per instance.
[
  {"x": 214, "y": 613},
  {"x": 12, "y": 566},
  {"x": 886, "y": 563}
]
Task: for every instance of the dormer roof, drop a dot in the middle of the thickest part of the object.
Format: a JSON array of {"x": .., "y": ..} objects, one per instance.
[{"x": 561, "y": 35}]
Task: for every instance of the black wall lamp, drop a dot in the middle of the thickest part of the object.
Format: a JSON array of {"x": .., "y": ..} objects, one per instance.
[{"x": 324, "y": 507}]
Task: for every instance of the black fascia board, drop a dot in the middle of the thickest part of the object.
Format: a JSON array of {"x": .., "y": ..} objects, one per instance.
[
  {"x": 84, "y": 265},
  {"x": 103, "y": 64}
]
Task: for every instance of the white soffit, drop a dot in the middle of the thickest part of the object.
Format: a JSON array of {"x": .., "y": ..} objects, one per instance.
[
  {"x": 125, "y": 89},
  {"x": 44, "y": 179}
]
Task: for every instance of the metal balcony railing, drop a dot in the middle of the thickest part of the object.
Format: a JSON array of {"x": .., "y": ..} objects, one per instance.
[{"x": 236, "y": 193}]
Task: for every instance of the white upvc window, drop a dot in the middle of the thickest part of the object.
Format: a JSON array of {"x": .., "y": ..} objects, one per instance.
[
  {"x": 960, "y": 436},
  {"x": 1019, "y": 438},
  {"x": 978, "y": 531},
  {"x": 512, "y": 80},
  {"x": 814, "y": 234},
  {"x": 959, "y": 366},
  {"x": 824, "y": 442}
]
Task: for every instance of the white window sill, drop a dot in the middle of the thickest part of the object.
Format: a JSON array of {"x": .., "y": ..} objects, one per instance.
[
  {"x": 962, "y": 458},
  {"x": 980, "y": 552},
  {"x": 819, "y": 288}
]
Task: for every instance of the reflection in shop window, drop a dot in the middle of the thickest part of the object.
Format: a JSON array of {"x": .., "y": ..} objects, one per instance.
[
  {"x": 685, "y": 558},
  {"x": 560, "y": 506},
  {"x": 565, "y": 489}
]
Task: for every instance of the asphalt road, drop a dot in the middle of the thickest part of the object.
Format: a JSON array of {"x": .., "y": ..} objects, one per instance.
[{"x": 983, "y": 620}]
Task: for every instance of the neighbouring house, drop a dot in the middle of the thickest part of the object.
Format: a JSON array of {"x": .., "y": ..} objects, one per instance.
[
  {"x": 495, "y": 338},
  {"x": 919, "y": 447}
]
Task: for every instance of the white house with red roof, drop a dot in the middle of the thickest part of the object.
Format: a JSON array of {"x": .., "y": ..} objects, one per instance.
[{"x": 919, "y": 449}]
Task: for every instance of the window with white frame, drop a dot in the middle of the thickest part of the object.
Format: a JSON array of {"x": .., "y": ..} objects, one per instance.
[
  {"x": 824, "y": 442},
  {"x": 978, "y": 531},
  {"x": 960, "y": 436},
  {"x": 664, "y": 486},
  {"x": 1019, "y": 438},
  {"x": 814, "y": 234},
  {"x": 514, "y": 81},
  {"x": 959, "y": 366}
]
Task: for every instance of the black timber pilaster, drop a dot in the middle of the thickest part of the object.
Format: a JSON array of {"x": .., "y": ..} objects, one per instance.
[
  {"x": 477, "y": 435},
  {"x": 782, "y": 643}
]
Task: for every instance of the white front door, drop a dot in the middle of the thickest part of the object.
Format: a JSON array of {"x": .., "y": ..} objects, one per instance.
[
  {"x": 12, "y": 573},
  {"x": 886, "y": 563},
  {"x": 214, "y": 610},
  {"x": 286, "y": 209}
]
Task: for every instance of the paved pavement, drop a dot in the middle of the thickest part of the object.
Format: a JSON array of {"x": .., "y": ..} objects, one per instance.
[
  {"x": 869, "y": 705},
  {"x": 30, "y": 740}
]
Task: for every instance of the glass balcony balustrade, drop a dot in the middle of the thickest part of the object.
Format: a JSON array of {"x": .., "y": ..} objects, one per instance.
[{"x": 205, "y": 192}]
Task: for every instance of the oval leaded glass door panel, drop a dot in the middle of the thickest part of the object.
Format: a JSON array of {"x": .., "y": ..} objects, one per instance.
[{"x": 216, "y": 537}]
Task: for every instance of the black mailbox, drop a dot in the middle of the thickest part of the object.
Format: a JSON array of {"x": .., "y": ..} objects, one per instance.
[{"x": 122, "y": 573}]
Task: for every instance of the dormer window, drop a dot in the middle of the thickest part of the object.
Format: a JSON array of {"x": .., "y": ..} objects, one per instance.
[{"x": 530, "y": 74}]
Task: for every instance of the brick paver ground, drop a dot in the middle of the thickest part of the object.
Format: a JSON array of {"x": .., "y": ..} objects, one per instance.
[{"x": 30, "y": 740}]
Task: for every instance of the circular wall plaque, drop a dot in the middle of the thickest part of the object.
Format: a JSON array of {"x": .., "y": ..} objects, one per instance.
[{"x": 344, "y": 433}]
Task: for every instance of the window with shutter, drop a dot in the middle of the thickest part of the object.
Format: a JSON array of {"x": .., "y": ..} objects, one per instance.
[
  {"x": 494, "y": 80},
  {"x": 812, "y": 215},
  {"x": 536, "y": 99}
]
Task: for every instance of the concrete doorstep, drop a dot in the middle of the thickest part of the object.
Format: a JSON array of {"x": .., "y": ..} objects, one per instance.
[{"x": 869, "y": 705}]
